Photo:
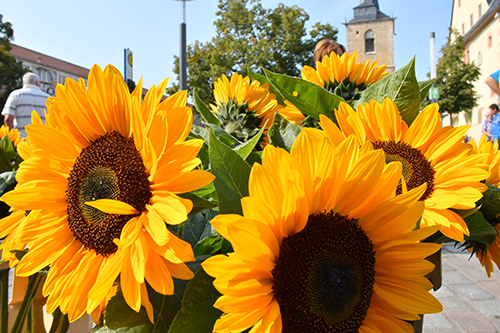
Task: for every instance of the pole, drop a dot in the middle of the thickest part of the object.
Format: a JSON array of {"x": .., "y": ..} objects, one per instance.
[
  {"x": 183, "y": 57},
  {"x": 433, "y": 61}
]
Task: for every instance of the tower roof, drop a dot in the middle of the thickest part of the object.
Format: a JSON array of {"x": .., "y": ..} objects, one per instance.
[{"x": 368, "y": 10}]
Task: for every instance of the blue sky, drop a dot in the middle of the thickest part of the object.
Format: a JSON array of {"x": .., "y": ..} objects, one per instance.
[{"x": 91, "y": 31}]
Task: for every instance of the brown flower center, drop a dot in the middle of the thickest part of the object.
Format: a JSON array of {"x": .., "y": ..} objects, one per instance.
[
  {"x": 416, "y": 169},
  {"x": 323, "y": 279},
  {"x": 109, "y": 168}
]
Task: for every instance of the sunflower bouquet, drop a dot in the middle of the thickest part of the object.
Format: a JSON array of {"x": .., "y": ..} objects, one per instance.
[{"x": 298, "y": 205}]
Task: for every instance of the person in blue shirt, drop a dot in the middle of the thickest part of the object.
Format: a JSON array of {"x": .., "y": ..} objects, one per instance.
[
  {"x": 492, "y": 82},
  {"x": 495, "y": 126}
]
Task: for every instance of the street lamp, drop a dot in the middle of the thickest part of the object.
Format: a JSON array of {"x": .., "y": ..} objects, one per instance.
[{"x": 182, "y": 55}]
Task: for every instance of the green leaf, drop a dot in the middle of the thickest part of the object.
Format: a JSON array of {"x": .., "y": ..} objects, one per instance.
[
  {"x": 223, "y": 136},
  {"x": 198, "y": 227},
  {"x": 199, "y": 204},
  {"x": 254, "y": 157},
  {"x": 263, "y": 80},
  {"x": 231, "y": 176},
  {"x": 197, "y": 313},
  {"x": 166, "y": 306},
  {"x": 119, "y": 317},
  {"x": 490, "y": 202},
  {"x": 209, "y": 245},
  {"x": 7, "y": 181},
  {"x": 466, "y": 212},
  {"x": 311, "y": 99},
  {"x": 19, "y": 253},
  {"x": 480, "y": 230},
  {"x": 283, "y": 133},
  {"x": 246, "y": 148},
  {"x": 207, "y": 115},
  {"x": 424, "y": 87},
  {"x": 207, "y": 192},
  {"x": 7, "y": 154},
  {"x": 402, "y": 87},
  {"x": 199, "y": 132}
]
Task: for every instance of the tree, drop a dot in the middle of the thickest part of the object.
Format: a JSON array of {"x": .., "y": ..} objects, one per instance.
[
  {"x": 250, "y": 37},
  {"x": 11, "y": 69},
  {"x": 455, "y": 78}
]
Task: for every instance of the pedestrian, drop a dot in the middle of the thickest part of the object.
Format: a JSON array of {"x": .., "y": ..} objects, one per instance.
[
  {"x": 326, "y": 47},
  {"x": 495, "y": 126},
  {"x": 21, "y": 102},
  {"x": 486, "y": 125},
  {"x": 492, "y": 82}
]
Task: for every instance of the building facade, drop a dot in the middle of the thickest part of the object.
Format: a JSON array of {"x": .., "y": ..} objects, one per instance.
[
  {"x": 479, "y": 23},
  {"x": 371, "y": 34},
  {"x": 50, "y": 70}
]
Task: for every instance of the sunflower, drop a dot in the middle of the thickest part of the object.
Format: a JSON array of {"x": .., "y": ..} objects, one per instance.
[
  {"x": 9, "y": 233},
  {"x": 243, "y": 107},
  {"x": 491, "y": 158},
  {"x": 324, "y": 245},
  {"x": 103, "y": 190},
  {"x": 488, "y": 255},
  {"x": 342, "y": 75},
  {"x": 429, "y": 154},
  {"x": 14, "y": 134}
]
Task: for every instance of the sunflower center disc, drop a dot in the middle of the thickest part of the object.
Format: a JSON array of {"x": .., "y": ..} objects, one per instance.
[
  {"x": 416, "y": 169},
  {"x": 109, "y": 168},
  {"x": 323, "y": 280},
  {"x": 98, "y": 183}
]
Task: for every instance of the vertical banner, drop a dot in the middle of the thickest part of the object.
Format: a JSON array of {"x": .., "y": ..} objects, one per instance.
[{"x": 128, "y": 73}]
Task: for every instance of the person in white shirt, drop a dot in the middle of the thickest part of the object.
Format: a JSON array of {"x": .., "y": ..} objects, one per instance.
[{"x": 21, "y": 102}]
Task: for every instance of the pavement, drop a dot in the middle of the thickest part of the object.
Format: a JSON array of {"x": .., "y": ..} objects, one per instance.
[{"x": 471, "y": 300}]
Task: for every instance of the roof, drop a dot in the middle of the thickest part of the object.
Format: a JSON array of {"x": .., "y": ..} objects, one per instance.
[
  {"x": 48, "y": 61},
  {"x": 487, "y": 17},
  {"x": 368, "y": 10}
]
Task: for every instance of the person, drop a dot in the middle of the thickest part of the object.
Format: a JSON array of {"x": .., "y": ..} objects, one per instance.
[
  {"x": 486, "y": 125},
  {"x": 326, "y": 47},
  {"x": 21, "y": 102},
  {"x": 495, "y": 126},
  {"x": 492, "y": 82}
]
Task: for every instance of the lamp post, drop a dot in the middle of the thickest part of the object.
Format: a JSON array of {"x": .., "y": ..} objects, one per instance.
[{"x": 182, "y": 54}]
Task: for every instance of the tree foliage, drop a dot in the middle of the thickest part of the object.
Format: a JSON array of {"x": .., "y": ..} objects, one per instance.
[
  {"x": 455, "y": 78},
  {"x": 11, "y": 69},
  {"x": 250, "y": 37}
]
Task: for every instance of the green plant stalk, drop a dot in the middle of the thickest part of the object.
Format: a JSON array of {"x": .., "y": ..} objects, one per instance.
[
  {"x": 33, "y": 284},
  {"x": 4, "y": 289},
  {"x": 56, "y": 318},
  {"x": 64, "y": 325},
  {"x": 29, "y": 321}
]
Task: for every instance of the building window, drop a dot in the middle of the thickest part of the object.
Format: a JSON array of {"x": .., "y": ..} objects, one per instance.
[
  {"x": 467, "y": 56},
  {"x": 44, "y": 75},
  {"x": 489, "y": 41},
  {"x": 463, "y": 28},
  {"x": 480, "y": 11},
  {"x": 459, "y": 3},
  {"x": 479, "y": 58},
  {"x": 62, "y": 78},
  {"x": 471, "y": 20},
  {"x": 369, "y": 41}
]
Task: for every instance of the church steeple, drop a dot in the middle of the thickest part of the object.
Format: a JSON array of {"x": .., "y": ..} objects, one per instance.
[
  {"x": 368, "y": 10},
  {"x": 370, "y": 33}
]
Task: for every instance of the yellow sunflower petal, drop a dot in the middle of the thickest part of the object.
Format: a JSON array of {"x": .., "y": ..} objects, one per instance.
[{"x": 112, "y": 206}]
